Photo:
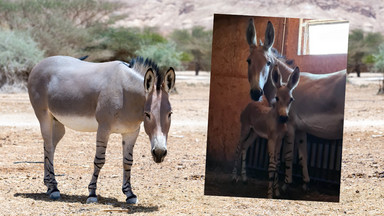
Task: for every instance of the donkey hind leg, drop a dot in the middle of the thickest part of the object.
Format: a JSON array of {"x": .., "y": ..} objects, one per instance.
[
  {"x": 247, "y": 143},
  {"x": 129, "y": 140},
  {"x": 52, "y": 132},
  {"x": 246, "y": 139},
  {"x": 99, "y": 161},
  {"x": 301, "y": 141}
]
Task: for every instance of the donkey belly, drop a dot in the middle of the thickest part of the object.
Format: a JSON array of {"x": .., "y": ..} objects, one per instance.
[{"x": 79, "y": 123}]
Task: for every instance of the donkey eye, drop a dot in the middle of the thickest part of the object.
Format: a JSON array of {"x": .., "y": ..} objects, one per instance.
[
  {"x": 291, "y": 100},
  {"x": 169, "y": 115},
  {"x": 277, "y": 98},
  {"x": 268, "y": 63},
  {"x": 249, "y": 61},
  {"x": 148, "y": 115}
]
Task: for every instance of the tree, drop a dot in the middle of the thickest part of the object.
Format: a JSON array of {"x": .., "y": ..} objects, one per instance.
[
  {"x": 361, "y": 47},
  {"x": 195, "y": 43},
  {"x": 59, "y": 27}
]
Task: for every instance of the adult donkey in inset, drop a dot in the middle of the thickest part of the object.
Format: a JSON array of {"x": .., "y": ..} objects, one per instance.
[
  {"x": 110, "y": 97},
  {"x": 319, "y": 98}
]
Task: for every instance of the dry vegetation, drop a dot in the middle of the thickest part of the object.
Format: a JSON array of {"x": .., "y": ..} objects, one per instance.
[{"x": 176, "y": 185}]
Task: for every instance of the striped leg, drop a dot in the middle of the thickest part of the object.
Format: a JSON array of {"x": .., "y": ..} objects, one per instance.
[
  {"x": 99, "y": 161},
  {"x": 272, "y": 171},
  {"x": 245, "y": 137},
  {"x": 129, "y": 140},
  {"x": 52, "y": 131},
  {"x": 288, "y": 157},
  {"x": 301, "y": 141}
]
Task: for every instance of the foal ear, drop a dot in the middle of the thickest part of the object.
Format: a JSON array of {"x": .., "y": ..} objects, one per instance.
[
  {"x": 276, "y": 77},
  {"x": 169, "y": 80},
  {"x": 251, "y": 33},
  {"x": 269, "y": 36},
  {"x": 149, "y": 80},
  {"x": 294, "y": 78}
]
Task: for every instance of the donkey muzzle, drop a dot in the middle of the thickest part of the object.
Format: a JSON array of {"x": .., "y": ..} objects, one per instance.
[
  {"x": 159, "y": 154},
  {"x": 256, "y": 94},
  {"x": 283, "y": 119},
  {"x": 159, "y": 148}
]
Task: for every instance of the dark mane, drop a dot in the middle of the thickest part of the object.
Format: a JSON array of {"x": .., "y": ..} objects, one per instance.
[
  {"x": 141, "y": 65},
  {"x": 289, "y": 62}
]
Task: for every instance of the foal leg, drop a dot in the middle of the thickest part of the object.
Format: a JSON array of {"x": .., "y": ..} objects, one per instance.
[
  {"x": 129, "y": 140},
  {"x": 288, "y": 156},
  {"x": 301, "y": 140},
  {"x": 52, "y": 131},
  {"x": 272, "y": 171},
  {"x": 247, "y": 137},
  {"x": 99, "y": 161}
]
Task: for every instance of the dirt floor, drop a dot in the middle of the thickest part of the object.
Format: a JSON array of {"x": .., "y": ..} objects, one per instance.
[{"x": 176, "y": 186}]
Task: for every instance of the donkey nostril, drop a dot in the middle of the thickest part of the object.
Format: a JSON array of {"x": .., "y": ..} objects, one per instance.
[
  {"x": 153, "y": 152},
  {"x": 165, "y": 153}
]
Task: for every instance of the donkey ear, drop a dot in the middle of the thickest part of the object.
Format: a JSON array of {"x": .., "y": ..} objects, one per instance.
[
  {"x": 149, "y": 80},
  {"x": 276, "y": 77},
  {"x": 251, "y": 33},
  {"x": 169, "y": 80},
  {"x": 269, "y": 36},
  {"x": 294, "y": 78}
]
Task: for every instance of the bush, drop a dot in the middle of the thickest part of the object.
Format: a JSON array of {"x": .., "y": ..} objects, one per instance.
[
  {"x": 164, "y": 54},
  {"x": 18, "y": 54}
]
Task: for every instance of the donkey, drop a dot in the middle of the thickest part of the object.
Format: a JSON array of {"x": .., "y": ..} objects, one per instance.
[
  {"x": 110, "y": 97},
  {"x": 273, "y": 123},
  {"x": 319, "y": 97}
]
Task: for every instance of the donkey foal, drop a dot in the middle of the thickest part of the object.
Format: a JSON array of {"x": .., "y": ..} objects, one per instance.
[{"x": 270, "y": 122}]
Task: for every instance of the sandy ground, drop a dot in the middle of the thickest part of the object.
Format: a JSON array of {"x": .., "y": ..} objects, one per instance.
[{"x": 176, "y": 186}]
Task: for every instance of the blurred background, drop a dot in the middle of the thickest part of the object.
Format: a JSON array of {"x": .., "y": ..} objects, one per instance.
[{"x": 176, "y": 33}]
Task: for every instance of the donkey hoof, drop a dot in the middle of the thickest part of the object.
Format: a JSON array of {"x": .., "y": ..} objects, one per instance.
[
  {"x": 91, "y": 200},
  {"x": 131, "y": 200},
  {"x": 54, "y": 195},
  {"x": 305, "y": 187}
]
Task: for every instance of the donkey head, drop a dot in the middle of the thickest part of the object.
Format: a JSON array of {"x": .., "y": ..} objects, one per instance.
[
  {"x": 284, "y": 92},
  {"x": 259, "y": 59},
  {"x": 157, "y": 111}
]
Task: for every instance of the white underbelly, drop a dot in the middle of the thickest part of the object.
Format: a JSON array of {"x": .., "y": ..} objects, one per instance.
[
  {"x": 79, "y": 123},
  {"x": 89, "y": 124}
]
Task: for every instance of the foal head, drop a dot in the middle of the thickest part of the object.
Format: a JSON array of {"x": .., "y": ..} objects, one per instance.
[
  {"x": 260, "y": 59},
  {"x": 157, "y": 111},
  {"x": 284, "y": 98}
]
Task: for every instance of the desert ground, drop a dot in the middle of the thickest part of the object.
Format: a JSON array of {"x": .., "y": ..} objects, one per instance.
[{"x": 176, "y": 186}]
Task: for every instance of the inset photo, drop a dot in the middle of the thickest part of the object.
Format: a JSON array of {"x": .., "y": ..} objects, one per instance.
[{"x": 276, "y": 109}]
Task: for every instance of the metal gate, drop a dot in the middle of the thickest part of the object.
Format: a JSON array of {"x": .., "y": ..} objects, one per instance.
[{"x": 324, "y": 160}]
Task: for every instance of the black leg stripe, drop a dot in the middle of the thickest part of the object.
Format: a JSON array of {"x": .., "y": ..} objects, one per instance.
[{"x": 97, "y": 158}]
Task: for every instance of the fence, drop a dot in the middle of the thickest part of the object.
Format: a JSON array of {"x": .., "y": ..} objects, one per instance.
[{"x": 324, "y": 160}]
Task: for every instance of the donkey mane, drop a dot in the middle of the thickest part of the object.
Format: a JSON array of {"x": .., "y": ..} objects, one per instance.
[
  {"x": 283, "y": 58},
  {"x": 142, "y": 65}
]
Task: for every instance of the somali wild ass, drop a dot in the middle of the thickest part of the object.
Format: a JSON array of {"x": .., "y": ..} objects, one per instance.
[{"x": 110, "y": 97}]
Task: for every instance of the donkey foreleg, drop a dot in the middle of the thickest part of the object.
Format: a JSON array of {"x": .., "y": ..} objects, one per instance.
[
  {"x": 99, "y": 161},
  {"x": 272, "y": 167},
  {"x": 129, "y": 140},
  {"x": 288, "y": 157}
]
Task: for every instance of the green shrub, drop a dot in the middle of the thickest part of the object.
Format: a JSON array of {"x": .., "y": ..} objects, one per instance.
[
  {"x": 164, "y": 54},
  {"x": 18, "y": 54}
]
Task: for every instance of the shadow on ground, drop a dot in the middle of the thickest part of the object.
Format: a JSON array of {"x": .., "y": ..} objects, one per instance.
[{"x": 82, "y": 199}]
